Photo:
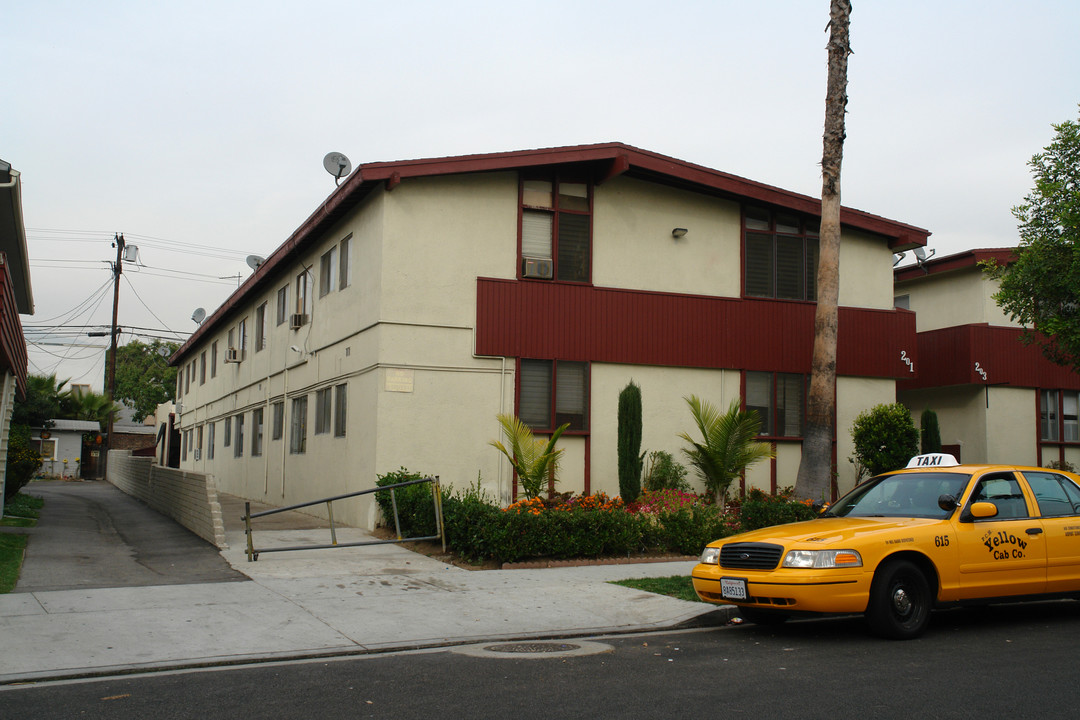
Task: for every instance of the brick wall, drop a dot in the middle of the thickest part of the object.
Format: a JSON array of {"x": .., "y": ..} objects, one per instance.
[{"x": 188, "y": 498}]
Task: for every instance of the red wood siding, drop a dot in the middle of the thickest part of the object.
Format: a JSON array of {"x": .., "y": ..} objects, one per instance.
[
  {"x": 12, "y": 343},
  {"x": 948, "y": 356},
  {"x": 577, "y": 322}
]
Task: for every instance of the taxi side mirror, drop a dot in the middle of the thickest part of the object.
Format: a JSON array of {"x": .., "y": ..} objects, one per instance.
[
  {"x": 983, "y": 510},
  {"x": 948, "y": 503}
]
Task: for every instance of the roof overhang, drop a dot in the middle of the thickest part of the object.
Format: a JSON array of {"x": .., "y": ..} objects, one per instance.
[
  {"x": 601, "y": 162},
  {"x": 965, "y": 260},
  {"x": 13, "y": 237}
]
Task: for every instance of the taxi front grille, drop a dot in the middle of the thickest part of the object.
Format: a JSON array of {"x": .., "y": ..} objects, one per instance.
[{"x": 750, "y": 556}]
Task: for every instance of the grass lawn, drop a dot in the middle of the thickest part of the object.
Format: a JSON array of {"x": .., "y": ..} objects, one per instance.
[
  {"x": 11, "y": 555},
  {"x": 676, "y": 586}
]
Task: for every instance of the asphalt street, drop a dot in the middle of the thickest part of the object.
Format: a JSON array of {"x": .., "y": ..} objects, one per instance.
[{"x": 1009, "y": 661}]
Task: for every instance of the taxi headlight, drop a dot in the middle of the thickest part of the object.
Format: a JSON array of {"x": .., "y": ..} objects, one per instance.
[
  {"x": 822, "y": 559},
  {"x": 710, "y": 556}
]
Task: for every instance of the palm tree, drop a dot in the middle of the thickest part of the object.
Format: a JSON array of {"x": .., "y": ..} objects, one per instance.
[
  {"x": 534, "y": 460},
  {"x": 728, "y": 443},
  {"x": 89, "y": 405}
]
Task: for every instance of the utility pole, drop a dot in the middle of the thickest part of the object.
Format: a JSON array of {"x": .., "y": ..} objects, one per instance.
[{"x": 118, "y": 268}]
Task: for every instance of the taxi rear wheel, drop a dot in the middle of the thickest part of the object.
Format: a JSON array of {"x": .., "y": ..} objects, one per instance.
[
  {"x": 763, "y": 617},
  {"x": 900, "y": 601}
]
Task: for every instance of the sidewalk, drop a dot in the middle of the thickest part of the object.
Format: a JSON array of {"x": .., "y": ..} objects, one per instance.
[{"x": 313, "y": 603}]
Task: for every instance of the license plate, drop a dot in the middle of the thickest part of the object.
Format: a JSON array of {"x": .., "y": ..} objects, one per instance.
[{"x": 733, "y": 588}]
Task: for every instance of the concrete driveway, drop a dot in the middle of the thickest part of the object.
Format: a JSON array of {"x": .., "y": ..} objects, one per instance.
[{"x": 91, "y": 535}]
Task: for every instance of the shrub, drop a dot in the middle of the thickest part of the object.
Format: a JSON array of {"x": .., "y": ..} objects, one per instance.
[
  {"x": 663, "y": 473},
  {"x": 535, "y": 460},
  {"x": 467, "y": 519},
  {"x": 728, "y": 444},
  {"x": 885, "y": 438},
  {"x": 760, "y": 510},
  {"x": 629, "y": 442},
  {"x": 415, "y": 504},
  {"x": 22, "y": 461},
  {"x": 688, "y": 530}
]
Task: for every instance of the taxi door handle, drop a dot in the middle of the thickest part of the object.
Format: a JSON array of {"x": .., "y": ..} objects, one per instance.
[{"x": 1034, "y": 531}]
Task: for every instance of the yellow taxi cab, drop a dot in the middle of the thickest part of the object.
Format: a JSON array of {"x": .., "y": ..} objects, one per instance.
[{"x": 934, "y": 534}]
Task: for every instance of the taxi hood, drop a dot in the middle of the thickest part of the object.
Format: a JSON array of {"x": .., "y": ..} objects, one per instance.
[{"x": 825, "y": 532}]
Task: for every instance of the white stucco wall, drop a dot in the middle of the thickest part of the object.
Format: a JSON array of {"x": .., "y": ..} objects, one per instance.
[
  {"x": 633, "y": 247},
  {"x": 960, "y": 297}
]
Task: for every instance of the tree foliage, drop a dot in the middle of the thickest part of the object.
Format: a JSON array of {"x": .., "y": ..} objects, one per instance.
[
  {"x": 1041, "y": 288},
  {"x": 629, "y": 442},
  {"x": 728, "y": 443},
  {"x": 44, "y": 397},
  {"x": 143, "y": 376},
  {"x": 885, "y": 438}
]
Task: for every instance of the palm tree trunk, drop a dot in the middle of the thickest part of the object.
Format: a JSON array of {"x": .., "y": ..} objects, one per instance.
[{"x": 816, "y": 467}]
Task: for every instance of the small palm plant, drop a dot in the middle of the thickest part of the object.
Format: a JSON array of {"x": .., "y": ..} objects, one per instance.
[
  {"x": 533, "y": 458},
  {"x": 728, "y": 444}
]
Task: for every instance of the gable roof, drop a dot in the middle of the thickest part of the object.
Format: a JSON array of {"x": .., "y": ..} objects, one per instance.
[
  {"x": 601, "y": 161},
  {"x": 957, "y": 261}
]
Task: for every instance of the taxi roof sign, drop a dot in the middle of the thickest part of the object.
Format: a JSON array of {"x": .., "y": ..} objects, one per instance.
[{"x": 932, "y": 460}]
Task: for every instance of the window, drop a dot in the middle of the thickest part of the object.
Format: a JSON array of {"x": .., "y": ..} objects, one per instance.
[
  {"x": 781, "y": 256},
  {"x": 213, "y": 359},
  {"x": 198, "y": 438},
  {"x": 556, "y": 230},
  {"x": 328, "y": 271},
  {"x": 184, "y": 441},
  {"x": 322, "y": 411},
  {"x": 278, "y": 424},
  {"x": 187, "y": 378},
  {"x": 340, "y": 408},
  {"x": 256, "y": 432},
  {"x": 210, "y": 441},
  {"x": 345, "y": 267},
  {"x": 202, "y": 368},
  {"x": 241, "y": 330},
  {"x": 303, "y": 289},
  {"x": 260, "y": 327},
  {"x": 1059, "y": 416},
  {"x": 1056, "y": 494},
  {"x": 227, "y": 438},
  {"x": 180, "y": 382},
  {"x": 902, "y": 302},
  {"x": 298, "y": 426},
  {"x": 1004, "y": 492},
  {"x": 282, "y": 304},
  {"x": 238, "y": 446},
  {"x": 780, "y": 401},
  {"x": 569, "y": 399}
]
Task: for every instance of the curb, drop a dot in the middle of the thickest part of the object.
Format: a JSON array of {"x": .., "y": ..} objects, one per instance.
[{"x": 540, "y": 564}]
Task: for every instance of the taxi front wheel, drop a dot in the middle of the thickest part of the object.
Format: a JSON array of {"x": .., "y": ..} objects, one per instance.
[{"x": 900, "y": 601}]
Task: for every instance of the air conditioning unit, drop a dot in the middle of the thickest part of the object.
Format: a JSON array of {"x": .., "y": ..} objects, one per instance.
[
  {"x": 198, "y": 453},
  {"x": 297, "y": 320},
  {"x": 537, "y": 268},
  {"x": 232, "y": 355},
  {"x": 179, "y": 407}
]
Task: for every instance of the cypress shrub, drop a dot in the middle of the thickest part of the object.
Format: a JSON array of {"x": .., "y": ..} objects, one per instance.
[
  {"x": 930, "y": 432},
  {"x": 630, "y": 455}
]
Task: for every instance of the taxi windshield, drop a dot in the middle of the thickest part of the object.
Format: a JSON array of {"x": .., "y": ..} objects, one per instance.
[{"x": 900, "y": 495}]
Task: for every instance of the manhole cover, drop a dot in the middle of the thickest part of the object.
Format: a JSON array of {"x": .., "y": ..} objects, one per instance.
[
  {"x": 534, "y": 649},
  {"x": 531, "y": 647}
]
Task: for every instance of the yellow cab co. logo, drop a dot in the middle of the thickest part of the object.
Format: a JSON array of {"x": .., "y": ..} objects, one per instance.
[{"x": 1004, "y": 545}]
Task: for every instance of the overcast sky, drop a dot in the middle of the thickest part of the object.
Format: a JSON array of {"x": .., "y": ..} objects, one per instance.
[{"x": 198, "y": 129}]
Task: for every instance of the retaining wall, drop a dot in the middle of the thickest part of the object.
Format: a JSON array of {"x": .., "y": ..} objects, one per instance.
[{"x": 188, "y": 498}]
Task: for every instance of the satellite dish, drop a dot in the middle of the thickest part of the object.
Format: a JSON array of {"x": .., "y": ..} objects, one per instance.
[
  {"x": 920, "y": 253},
  {"x": 198, "y": 316},
  {"x": 254, "y": 261},
  {"x": 337, "y": 165}
]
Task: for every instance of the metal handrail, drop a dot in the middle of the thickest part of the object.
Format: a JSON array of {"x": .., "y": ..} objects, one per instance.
[{"x": 253, "y": 552}]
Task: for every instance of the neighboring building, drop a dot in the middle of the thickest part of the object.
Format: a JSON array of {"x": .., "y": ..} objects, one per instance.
[
  {"x": 423, "y": 297},
  {"x": 16, "y": 298},
  {"x": 61, "y": 448},
  {"x": 997, "y": 400}
]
